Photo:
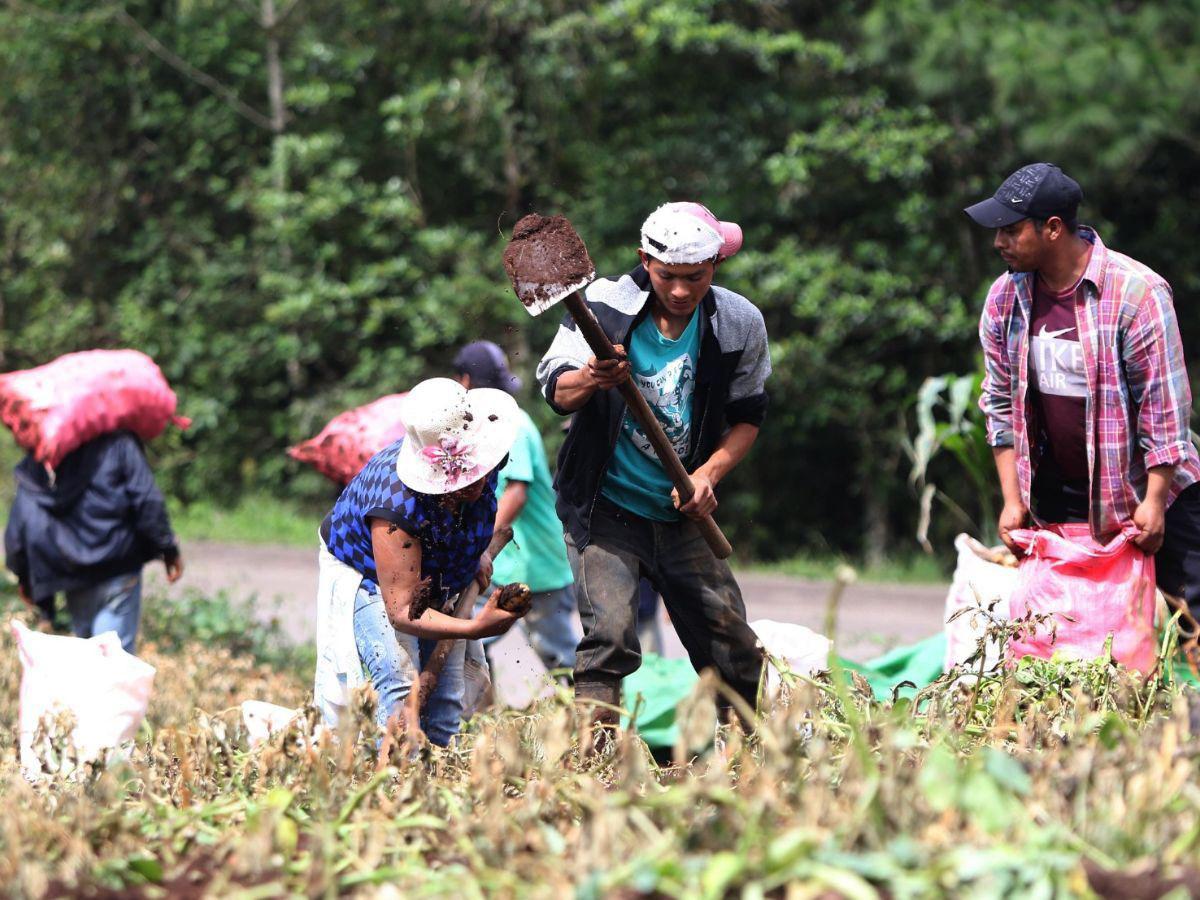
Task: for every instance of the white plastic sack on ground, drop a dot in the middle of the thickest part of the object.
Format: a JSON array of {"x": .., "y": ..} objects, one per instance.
[
  {"x": 803, "y": 650},
  {"x": 980, "y": 582},
  {"x": 264, "y": 719},
  {"x": 104, "y": 689}
]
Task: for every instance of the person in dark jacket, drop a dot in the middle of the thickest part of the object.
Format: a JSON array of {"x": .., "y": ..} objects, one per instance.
[
  {"x": 87, "y": 531},
  {"x": 698, "y": 354}
]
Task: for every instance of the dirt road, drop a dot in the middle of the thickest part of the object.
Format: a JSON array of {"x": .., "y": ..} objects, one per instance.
[{"x": 283, "y": 580}]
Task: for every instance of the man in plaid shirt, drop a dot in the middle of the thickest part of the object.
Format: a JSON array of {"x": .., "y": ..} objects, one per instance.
[{"x": 1085, "y": 390}]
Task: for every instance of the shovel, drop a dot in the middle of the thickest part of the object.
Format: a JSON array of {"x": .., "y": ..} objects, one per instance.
[
  {"x": 548, "y": 264},
  {"x": 418, "y": 695}
]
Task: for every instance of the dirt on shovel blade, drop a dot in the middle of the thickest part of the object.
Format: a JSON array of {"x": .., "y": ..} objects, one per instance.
[{"x": 544, "y": 259}]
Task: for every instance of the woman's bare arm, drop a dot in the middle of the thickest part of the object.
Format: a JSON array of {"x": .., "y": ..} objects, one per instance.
[{"x": 398, "y": 564}]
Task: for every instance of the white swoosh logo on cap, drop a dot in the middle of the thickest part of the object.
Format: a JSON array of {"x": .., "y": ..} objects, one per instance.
[{"x": 1053, "y": 334}]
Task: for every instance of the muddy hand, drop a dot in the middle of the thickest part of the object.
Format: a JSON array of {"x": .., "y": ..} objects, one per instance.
[
  {"x": 515, "y": 598},
  {"x": 492, "y": 620},
  {"x": 609, "y": 373},
  {"x": 703, "y": 502},
  {"x": 1151, "y": 519},
  {"x": 1012, "y": 517},
  {"x": 483, "y": 575}
]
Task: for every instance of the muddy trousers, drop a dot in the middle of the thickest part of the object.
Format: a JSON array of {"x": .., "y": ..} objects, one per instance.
[
  {"x": 1177, "y": 563},
  {"x": 698, "y": 590},
  {"x": 392, "y": 659}
]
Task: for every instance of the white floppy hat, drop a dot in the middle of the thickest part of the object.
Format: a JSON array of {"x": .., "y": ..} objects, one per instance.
[
  {"x": 452, "y": 436},
  {"x": 688, "y": 233}
]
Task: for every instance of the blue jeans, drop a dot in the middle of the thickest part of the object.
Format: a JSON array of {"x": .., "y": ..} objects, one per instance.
[
  {"x": 548, "y": 625},
  {"x": 114, "y": 604},
  {"x": 392, "y": 659}
]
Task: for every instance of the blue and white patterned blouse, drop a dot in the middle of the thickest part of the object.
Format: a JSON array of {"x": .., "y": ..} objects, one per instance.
[{"x": 451, "y": 540}]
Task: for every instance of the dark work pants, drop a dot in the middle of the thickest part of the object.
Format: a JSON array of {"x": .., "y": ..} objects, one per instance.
[
  {"x": 1177, "y": 563},
  {"x": 698, "y": 590}
]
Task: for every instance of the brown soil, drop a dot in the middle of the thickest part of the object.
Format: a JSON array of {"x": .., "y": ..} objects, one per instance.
[
  {"x": 546, "y": 257},
  {"x": 515, "y": 598},
  {"x": 1146, "y": 883}
]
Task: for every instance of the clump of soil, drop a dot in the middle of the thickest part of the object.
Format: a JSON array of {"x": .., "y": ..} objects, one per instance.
[
  {"x": 515, "y": 598},
  {"x": 545, "y": 259}
]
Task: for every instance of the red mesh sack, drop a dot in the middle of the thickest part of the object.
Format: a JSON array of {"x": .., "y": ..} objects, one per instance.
[
  {"x": 346, "y": 444},
  {"x": 57, "y": 408}
]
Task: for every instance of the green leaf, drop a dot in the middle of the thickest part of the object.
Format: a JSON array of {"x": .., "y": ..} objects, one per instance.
[
  {"x": 1007, "y": 771},
  {"x": 147, "y": 867}
]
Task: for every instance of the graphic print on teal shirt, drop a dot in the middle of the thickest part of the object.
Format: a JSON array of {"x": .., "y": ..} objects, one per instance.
[{"x": 665, "y": 373}]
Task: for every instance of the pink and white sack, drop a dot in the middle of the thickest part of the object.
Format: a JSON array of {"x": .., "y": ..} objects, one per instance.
[
  {"x": 1088, "y": 591},
  {"x": 57, "y": 408}
]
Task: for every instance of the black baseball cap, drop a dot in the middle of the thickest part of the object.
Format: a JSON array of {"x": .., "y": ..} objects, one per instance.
[
  {"x": 486, "y": 365},
  {"x": 1036, "y": 191}
]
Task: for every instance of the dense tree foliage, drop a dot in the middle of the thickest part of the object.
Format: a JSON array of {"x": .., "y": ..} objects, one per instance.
[{"x": 297, "y": 206}]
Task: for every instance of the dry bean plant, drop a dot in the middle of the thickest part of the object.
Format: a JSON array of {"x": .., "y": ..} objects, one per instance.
[{"x": 1053, "y": 779}]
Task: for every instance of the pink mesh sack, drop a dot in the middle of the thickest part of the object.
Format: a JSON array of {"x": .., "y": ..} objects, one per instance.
[
  {"x": 1090, "y": 591},
  {"x": 57, "y": 408},
  {"x": 346, "y": 444}
]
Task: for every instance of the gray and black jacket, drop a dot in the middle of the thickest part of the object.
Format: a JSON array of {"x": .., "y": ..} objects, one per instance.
[{"x": 730, "y": 386}]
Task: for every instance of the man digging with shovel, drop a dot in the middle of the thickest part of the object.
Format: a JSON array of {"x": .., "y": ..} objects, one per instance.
[{"x": 697, "y": 357}]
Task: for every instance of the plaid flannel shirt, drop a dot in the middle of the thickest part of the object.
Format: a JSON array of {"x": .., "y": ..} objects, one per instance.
[{"x": 1139, "y": 402}]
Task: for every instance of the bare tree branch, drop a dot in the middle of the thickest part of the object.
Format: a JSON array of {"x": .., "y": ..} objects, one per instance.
[
  {"x": 270, "y": 23},
  {"x": 288, "y": 10},
  {"x": 185, "y": 68}
]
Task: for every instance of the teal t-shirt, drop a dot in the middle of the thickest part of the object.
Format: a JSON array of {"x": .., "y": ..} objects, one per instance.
[
  {"x": 665, "y": 372},
  {"x": 537, "y": 554}
]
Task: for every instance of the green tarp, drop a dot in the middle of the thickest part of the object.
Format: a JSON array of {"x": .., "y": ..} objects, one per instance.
[
  {"x": 920, "y": 663},
  {"x": 654, "y": 690}
]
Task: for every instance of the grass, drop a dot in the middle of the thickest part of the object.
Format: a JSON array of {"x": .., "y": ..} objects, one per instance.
[
  {"x": 257, "y": 519},
  {"x": 1040, "y": 782}
]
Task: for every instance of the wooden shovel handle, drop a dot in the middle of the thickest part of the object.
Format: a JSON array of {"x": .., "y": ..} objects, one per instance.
[
  {"x": 586, "y": 322},
  {"x": 419, "y": 695}
]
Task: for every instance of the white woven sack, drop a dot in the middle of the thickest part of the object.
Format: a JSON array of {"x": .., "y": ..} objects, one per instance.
[
  {"x": 104, "y": 689},
  {"x": 803, "y": 650},
  {"x": 979, "y": 583}
]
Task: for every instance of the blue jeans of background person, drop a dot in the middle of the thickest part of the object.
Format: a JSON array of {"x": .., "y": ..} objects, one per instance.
[
  {"x": 114, "y": 604},
  {"x": 549, "y": 625},
  {"x": 392, "y": 659}
]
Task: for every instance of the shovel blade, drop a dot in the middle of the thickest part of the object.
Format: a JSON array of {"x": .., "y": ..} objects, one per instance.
[
  {"x": 546, "y": 261},
  {"x": 535, "y": 304}
]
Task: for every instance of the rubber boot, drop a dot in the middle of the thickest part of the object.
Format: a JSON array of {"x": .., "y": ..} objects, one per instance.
[{"x": 602, "y": 720}]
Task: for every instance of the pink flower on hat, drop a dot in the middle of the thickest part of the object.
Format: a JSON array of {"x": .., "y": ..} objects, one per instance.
[
  {"x": 453, "y": 436},
  {"x": 455, "y": 458}
]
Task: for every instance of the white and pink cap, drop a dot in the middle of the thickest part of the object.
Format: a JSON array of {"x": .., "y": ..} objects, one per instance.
[{"x": 687, "y": 233}]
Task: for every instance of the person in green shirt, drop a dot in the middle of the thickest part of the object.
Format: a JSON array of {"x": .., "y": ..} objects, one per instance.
[{"x": 537, "y": 554}]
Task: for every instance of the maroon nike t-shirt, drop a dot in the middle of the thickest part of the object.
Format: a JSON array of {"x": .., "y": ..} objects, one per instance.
[{"x": 1058, "y": 382}]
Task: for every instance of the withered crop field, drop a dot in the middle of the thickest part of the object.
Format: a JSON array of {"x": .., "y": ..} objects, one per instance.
[{"x": 1055, "y": 779}]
